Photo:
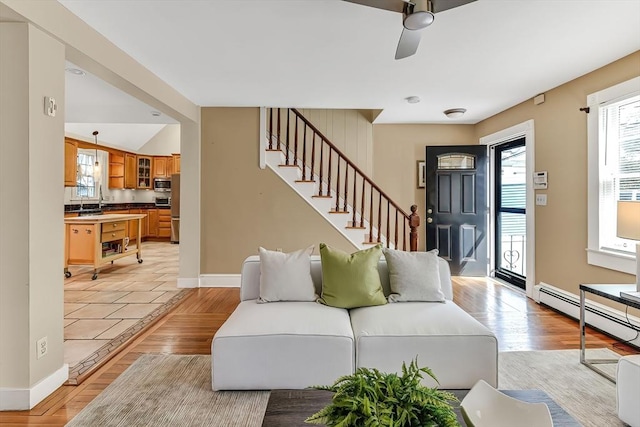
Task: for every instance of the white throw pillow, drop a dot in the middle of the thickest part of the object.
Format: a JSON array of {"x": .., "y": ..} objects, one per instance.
[
  {"x": 286, "y": 276},
  {"x": 414, "y": 276}
]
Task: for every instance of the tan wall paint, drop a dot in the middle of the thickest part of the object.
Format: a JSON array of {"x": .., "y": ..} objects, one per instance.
[
  {"x": 164, "y": 143},
  {"x": 396, "y": 151},
  {"x": 561, "y": 150},
  {"x": 243, "y": 206},
  {"x": 349, "y": 130},
  {"x": 31, "y": 283}
]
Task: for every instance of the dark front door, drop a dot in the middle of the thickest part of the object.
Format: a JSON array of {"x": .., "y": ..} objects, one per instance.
[{"x": 456, "y": 217}]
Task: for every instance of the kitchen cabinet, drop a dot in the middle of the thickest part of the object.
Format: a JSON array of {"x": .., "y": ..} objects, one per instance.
[
  {"x": 99, "y": 240},
  {"x": 133, "y": 227},
  {"x": 153, "y": 222},
  {"x": 164, "y": 223},
  {"x": 176, "y": 163},
  {"x": 130, "y": 170},
  {"x": 144, "y": 180},
  {"x": 160, "y": 167},
  {"x": 116, "y": 170},
  {"x": 70, "y": 162}
]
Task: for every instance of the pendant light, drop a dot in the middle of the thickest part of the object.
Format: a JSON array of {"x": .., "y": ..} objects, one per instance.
[{"x": 95, "y": 135}]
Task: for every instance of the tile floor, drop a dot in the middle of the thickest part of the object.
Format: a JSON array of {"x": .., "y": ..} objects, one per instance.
[{"x": 97, "y": 311}]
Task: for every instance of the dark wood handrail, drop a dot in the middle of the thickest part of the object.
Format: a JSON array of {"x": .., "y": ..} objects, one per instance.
[
  {"x": 349, "y": 162},
  {"x": 382, "y": 218}
]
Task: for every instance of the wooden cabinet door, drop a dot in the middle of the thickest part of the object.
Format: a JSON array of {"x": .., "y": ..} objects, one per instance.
[
  {"x": 153, "y": 222},
  {"x": 133, "y": 225},
  {"x": 169, "y": 166},
  {"x": 159, "y": 167},
  {"x": 176, "y": 163},
  {"x": 164, "y": 222},
  {"x": 130, "y": 170},
  {"x": 81, "y": 240},
  {"x": 70, "y": 162},
  {"x": 144, "y": 180}
]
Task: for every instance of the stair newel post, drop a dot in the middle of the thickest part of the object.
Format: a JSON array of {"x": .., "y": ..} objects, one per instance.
[
  {"x": 270, "y": 128},
  {"x": 338, "y": 185},
  {"x": 287, "y": 142},
  {"x": 371, "y": 215},
  {"x": 278, "y": 127},
  {"x": 353, "y": 218},
  {"x": 313, "y": 156},
  {"x": 414, "y": 223},
  {"x": 320, "y": 193},
  {"x": 362, "y": 204},
  {"x": 304, "y": 153},
  {"x": 379, "y": 215}
]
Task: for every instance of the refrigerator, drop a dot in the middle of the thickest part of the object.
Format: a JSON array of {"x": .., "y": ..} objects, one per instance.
[{"x": 175, "y": 208}]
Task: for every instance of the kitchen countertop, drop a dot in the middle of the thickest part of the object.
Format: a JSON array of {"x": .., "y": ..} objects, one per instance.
[
  {"x": 99, "y": 219},
  {"x": 111, "y": 207}
]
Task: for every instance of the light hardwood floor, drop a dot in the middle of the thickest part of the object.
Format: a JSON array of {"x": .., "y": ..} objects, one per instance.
[{"x": 519, "y": 323}]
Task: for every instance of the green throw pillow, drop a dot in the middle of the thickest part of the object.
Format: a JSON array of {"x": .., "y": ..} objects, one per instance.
[{"x": 350, "y": 281}]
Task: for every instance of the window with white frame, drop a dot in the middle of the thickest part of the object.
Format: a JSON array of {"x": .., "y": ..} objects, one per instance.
[
  {"x": 614, "y": 170},
  {"x": 85, "y": 182}
]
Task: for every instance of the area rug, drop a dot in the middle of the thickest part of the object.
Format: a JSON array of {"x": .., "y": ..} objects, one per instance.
[
  {"x": 175, "y": 390},
  {"x": 587, "y": 396}
]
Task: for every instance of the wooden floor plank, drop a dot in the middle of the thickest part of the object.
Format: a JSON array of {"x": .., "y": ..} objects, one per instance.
[{"x": 518, "y": 322}]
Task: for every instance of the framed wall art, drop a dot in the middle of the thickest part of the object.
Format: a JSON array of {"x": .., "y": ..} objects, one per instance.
[{"x": 421, "y": 173}]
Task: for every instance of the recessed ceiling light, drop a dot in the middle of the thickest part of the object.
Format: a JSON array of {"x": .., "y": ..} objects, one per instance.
[
  {"x": 454, "y": 113},
  {"x": 156, "y": 113},
  {"x": 412, "y": 99},
  {"x": 76, "y": 71}
]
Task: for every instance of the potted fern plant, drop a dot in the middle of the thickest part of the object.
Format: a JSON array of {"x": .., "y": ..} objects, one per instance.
[{"x": 373, "y": 398}]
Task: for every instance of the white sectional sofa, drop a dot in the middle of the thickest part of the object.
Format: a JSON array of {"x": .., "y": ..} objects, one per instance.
[{"x": 294, "y": 345}]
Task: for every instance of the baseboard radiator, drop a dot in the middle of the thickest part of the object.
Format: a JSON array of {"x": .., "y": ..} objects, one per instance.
[{"x": 609, "y": 320}]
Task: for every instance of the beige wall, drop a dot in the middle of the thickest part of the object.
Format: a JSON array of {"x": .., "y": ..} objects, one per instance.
[
  {"x": 561, "y": 150},
  {"x": 31, "y": 150},
  {"x": 396, "y": 151},
  {"x": 164, "y": 143},
  {"x": 349, "y": 130},
  {"x": 243, "y": 206}
]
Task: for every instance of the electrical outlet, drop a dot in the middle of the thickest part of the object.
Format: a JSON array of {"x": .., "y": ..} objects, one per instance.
[{"x": 41, "y": 347}]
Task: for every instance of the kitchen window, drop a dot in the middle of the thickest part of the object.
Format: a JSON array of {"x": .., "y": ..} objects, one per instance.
[
  {"x": 614, "y": 171},
  {"x": 89, "y": 176}
]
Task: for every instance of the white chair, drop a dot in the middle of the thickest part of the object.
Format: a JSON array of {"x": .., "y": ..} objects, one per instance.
[{"x": 484, "y": 406}]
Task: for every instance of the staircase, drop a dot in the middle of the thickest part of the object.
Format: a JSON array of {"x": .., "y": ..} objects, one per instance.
[{"x": 334, "y": 186}]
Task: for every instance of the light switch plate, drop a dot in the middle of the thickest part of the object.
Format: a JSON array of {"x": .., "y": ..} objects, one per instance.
[{"x": 541, "y": 199}]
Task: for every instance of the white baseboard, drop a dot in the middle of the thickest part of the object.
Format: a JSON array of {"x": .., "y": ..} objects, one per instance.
[
  {"x": 219, "y": 280},
  {"x": 21, "y": 399},
  {"x": 600, "y": 316},
  {"x": 188, "y": 283}
]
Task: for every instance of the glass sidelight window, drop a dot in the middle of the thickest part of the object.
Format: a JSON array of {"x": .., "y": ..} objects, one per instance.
[{"x": 510, "y": 221}]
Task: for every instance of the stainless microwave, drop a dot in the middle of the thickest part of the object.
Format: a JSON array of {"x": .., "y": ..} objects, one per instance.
[{"x": 162, "y": 184}]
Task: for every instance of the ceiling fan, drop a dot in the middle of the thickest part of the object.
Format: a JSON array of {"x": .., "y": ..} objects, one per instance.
[{"x": 417, "y": 15}]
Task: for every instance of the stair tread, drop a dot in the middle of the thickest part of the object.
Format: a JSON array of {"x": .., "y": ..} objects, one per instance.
[
  {"x": 348, "y": 227},
  {"x": 273, "y": 149},
  {"x": 304, "y": 180},
  {"x": 322, "y": 197},
  {"x": 339, "y": 212},
  {"x": 288, "y": 166}
]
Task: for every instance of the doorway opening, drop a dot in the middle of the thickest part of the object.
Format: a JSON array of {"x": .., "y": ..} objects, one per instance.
[{"x": 510, "y": 198}]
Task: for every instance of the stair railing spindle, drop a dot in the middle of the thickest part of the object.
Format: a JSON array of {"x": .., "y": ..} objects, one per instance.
[
  {"x": 287, "y": 142},
  {"x": 320, "y": 181},
  {"x": 388, "y": 235},
  {"x": 353, "y": 203},
  {"x": 404, "y": 235},
  {"x": 346, "y": 187},
  {"x": 295, "y": 144},
  {"x": 395, "y": 243},
  {"x": 329, "y": 173},
  {"x": 371, "y": 216},
  {"x": 362, "y": 204},
  {"x": 270, "y": 131},
  {"x": 278, "y": 127},
  {"x": 338, "y": 186},
  {"x": 379, "y": 216},
  {"x": 304, "y": 153},
  {"x": 313, "y": 156}
]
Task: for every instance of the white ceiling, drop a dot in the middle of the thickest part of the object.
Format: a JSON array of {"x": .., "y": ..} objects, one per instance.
[{"x": 485, "y": 56}]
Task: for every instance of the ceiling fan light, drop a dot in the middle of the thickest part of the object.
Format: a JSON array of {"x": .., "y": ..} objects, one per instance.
[
  {"x": 418, "y": 20},
  {"x": 454, "y": 113}
]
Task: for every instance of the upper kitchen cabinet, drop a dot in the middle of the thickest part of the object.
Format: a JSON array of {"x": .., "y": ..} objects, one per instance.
[
  {"x": 176, "y": 163},
  {"x": 130, "y": 170},
  {"x": 144, "y": 172},
  {"x": 70, "y": 162},
  {"x": 116, "y": 170},
  {"x": 160, "y": 167}
]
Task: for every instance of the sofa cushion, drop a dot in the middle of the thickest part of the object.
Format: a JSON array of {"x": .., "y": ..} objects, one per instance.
[
  {"x": 414, "y": 276},
  {"x": 281, "y": 345},
  {"x": 458, "y": 348},
  {"x": 351, "y": 280},
  {"x": 286, "y": 276}
]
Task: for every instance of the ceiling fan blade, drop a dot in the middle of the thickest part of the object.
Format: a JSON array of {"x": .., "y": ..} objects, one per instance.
[
  {"x": 442, "y": 5},
  {"x": 392, "y": 5},
  {"x": 408, "y": 44}
]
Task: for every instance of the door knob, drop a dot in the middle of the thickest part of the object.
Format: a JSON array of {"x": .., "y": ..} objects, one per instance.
[
  {"x": 429, "y": 210},
  {"x": 429, "y": 220}
]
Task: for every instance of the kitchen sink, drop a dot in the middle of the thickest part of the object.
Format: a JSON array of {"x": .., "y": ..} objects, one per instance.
[{"x": 89, "y": 212}]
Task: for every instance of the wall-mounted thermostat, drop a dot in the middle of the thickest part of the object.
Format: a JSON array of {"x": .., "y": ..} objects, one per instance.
[{"x": 540, "y": 180}]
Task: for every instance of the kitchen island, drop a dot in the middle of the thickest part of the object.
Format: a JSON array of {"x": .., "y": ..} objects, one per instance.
[{"x": 99, "y": 240}]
